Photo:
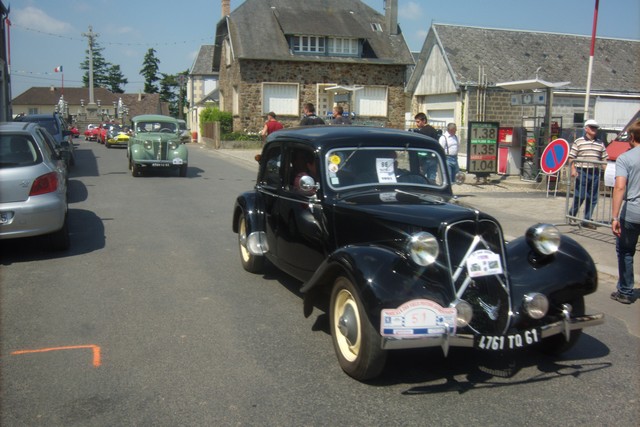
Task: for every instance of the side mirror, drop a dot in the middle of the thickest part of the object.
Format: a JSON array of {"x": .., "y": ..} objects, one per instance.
[{"x": 308, "y": 185}]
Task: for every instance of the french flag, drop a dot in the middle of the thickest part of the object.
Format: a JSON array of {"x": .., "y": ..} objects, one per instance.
[{"x": 58, "y": 69}]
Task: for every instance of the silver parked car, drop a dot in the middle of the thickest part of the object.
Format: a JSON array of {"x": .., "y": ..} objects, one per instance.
[{"x": 33, "y": 192}]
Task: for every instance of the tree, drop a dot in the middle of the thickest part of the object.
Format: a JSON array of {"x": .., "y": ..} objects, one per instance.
[
  {"x": 150, "y": 71},
  {"x": 168, "y": 87},
  {"x": 100, "y": 67},
  {"x": 116, "y": 79},
  {"x": 105, "y": 74}
]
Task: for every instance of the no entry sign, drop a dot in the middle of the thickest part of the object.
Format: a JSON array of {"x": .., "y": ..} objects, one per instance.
[{"x": 554, "y": 156}]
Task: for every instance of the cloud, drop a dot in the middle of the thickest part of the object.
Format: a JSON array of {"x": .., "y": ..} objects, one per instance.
[
  {"x": 32, "y": 17},
  {"x": 411, "y": 11}
]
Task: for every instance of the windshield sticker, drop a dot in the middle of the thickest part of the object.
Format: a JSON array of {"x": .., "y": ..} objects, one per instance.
[
  {"x": 335, "y": 159},
  {"x": 384, "y": 168},
  {"x": 388, "y": 197},
  {"x": 333, "y": 168},
  {"x": 483, "y": 263},
  {"x": 418, "y": 318}
]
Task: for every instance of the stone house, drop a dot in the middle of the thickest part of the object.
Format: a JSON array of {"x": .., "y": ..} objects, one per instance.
[
  {"x": 202, "y": 86},
  {"x": 467, "y": 74},
  {"x": 275, "y": 55}
]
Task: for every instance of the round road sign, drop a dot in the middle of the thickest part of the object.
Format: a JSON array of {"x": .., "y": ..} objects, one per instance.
[{"x": 554, "y": 156}]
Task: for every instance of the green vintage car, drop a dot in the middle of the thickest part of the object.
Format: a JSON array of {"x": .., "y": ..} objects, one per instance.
[{"x": 156, "y": 144}]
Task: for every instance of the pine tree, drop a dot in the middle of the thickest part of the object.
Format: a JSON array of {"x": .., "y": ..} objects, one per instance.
[
  {"x": 116, "y": 79},
  {"x": 105, "y": 74},
  {"x": 168, "y": 87},
  {"x": 150, "y": 71}
]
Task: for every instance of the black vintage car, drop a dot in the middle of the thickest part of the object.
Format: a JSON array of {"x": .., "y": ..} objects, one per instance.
[{"x": 365, "y": 217}]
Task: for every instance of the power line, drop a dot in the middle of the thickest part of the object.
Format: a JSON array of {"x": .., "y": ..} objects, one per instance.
[{"x": 108, "y": 43}]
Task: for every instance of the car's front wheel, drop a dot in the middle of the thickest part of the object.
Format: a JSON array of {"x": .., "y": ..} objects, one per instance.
[
  {"x": 558, "y": 344},
  {"x": 251, "y": 263},
  {"x": 183, "y": 170},
  {"x": 135, "y": 169},
  {"x": 355, "y": 340}
]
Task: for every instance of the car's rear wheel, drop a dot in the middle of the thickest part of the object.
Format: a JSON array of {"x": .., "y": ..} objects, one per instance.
[
  {"x": 355, "y": 340},
  {"x": 558, "y": 344},
  {"x": 251, "y": 263}
]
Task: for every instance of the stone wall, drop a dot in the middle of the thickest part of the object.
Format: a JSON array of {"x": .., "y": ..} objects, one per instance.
[{"x": 248, "y": 76}]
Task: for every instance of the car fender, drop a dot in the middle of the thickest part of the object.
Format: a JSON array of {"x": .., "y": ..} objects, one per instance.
[
  {"x": 247, "y": 203},
  {"x": 563, "y": 276},
  {"x": 383, "y": 277}
]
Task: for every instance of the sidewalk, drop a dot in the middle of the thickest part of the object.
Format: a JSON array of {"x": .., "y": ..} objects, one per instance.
[{"x": 517, "y": 205}]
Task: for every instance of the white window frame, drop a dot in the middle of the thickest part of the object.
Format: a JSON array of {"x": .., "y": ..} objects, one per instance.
[
  {"x": 308, "y": 44},
  {"x": 343, "y": 46},
  {"x": 372, "y": 101},
  {"x": 236, "y": 101},
  {"x": 281, "y": 98}
]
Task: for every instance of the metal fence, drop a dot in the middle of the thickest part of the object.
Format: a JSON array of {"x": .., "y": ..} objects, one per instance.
[{"x": 588, "y": 201}]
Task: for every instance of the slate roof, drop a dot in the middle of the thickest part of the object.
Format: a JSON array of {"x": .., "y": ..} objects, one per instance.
[
  {"x": 203, "y": 64},
  {"x": 258, "y": 28},
  {"x": 145, "y": 103},
  {"x": 512, "y": 55}
]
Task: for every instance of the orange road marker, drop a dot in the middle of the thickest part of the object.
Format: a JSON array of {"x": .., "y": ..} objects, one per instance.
[{"x": 94, "y": 348}]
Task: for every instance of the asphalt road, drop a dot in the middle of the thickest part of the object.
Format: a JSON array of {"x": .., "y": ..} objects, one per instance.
[{"x": 149, "y": 319}]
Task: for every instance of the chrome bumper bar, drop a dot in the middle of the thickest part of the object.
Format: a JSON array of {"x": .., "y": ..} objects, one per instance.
[{"x": 564, "y": 326}]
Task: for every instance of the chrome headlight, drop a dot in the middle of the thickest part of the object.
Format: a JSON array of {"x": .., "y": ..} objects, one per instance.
[
  {"x": 464, "y": 313},
  {"x": 543, "y": 238},
  {"x": 148, "y": 145},
  {"x": 173, "y": 145},
  {"x": 423, "y": 248},
  {"x": 535, "y": 305}
]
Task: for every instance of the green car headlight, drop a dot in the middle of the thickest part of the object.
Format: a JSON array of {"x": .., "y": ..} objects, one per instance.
[
  {"x": 148, "y": 145},
  {"x": 423, "y": 248},
  {"x": 543, "y": 238}
]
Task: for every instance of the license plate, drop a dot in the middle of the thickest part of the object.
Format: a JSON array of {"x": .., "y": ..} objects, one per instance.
[
  {"x": 508, "y": 342},
  {"x": 160, "y": 165}
]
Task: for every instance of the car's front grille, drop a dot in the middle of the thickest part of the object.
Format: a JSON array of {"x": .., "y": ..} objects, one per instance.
[
  {"x": 488, "y": 295},
  {"x": 160, "y": 150}
]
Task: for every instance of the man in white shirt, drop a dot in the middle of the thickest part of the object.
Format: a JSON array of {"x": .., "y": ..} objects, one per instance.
[{"x": 449, "y": 141}]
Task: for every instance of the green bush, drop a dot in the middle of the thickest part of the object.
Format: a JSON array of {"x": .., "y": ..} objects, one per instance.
[
  {"x": 209, "y": 115},
  {"x": 239, "y": 136}
]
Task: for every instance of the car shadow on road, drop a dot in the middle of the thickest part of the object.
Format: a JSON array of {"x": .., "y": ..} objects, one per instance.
[{"x": 86, "y": 232}]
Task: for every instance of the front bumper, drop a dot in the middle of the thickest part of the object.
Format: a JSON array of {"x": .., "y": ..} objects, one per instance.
[{"x": 445, "y": 340}]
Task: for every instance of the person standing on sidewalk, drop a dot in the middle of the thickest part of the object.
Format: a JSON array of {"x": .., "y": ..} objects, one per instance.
[
  {"x": 430, "y": 164},
  {"x": 270, "y": 126},
  {"x": 449, "y": 141},
  {"x": 310, "y": 117},
  {"x": 625, "y": 219},
  {"x": 587, "y": 175}
]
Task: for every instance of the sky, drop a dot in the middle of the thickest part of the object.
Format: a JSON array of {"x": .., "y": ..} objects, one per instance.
[{"x": 46, "y": 34}]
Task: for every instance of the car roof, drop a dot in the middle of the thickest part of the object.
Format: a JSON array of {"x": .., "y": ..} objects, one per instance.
[
  {"x": 328, "y": 137},
  {"x": 17, "y": 126},
  {"x": 153, "y": 117}
]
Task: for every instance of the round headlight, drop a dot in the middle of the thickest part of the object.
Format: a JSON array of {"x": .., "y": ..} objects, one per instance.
[
  {"x": 464, "y": 313},
  {"x": 536, "y": 305},
  {"x": 543, "y": 238},
  {"x": 423, "y": 248}
]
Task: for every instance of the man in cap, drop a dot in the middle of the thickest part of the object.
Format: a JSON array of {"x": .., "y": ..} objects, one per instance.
[{"x": 583, "y": 157}]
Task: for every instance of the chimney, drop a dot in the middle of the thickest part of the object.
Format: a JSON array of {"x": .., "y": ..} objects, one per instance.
[
  {"x": 391, "y": 16},
  {"x": 226, "y": 8}
]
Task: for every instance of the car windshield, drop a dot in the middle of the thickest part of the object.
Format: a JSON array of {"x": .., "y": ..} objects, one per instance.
[
  {"x": 353, "y": 167},
  {"x": 49, "y": 124},
  {"x": 155, "y": 127}
]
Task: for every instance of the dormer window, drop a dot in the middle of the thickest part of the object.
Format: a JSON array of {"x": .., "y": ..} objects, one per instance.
[
  {"x": 307, "y": 44},
  {"x": 343, "y": 46},
  {"x": 325, "y": 46}
]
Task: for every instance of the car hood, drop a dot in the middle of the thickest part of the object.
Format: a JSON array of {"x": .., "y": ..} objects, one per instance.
[{"x": 415, "y": 208}]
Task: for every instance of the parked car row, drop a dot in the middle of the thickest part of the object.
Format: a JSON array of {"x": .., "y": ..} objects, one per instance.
[
  {"x": 58, "y": 128},
  {"x": 357, "y": 215},
  {"x": 33, "y": 185}
]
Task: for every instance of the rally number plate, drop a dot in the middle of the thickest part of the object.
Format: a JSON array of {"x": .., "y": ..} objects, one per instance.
[{"x": 508, "y": 342}]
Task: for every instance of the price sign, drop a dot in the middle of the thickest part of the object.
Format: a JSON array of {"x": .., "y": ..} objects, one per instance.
[{"x": 482, "y": 148}]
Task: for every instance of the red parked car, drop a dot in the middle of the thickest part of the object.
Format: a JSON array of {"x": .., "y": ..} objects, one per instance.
[{"x": 88, "y": 133}]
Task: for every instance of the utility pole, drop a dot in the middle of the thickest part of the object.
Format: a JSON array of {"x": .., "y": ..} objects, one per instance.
[{"x": 91, "y": 107}]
